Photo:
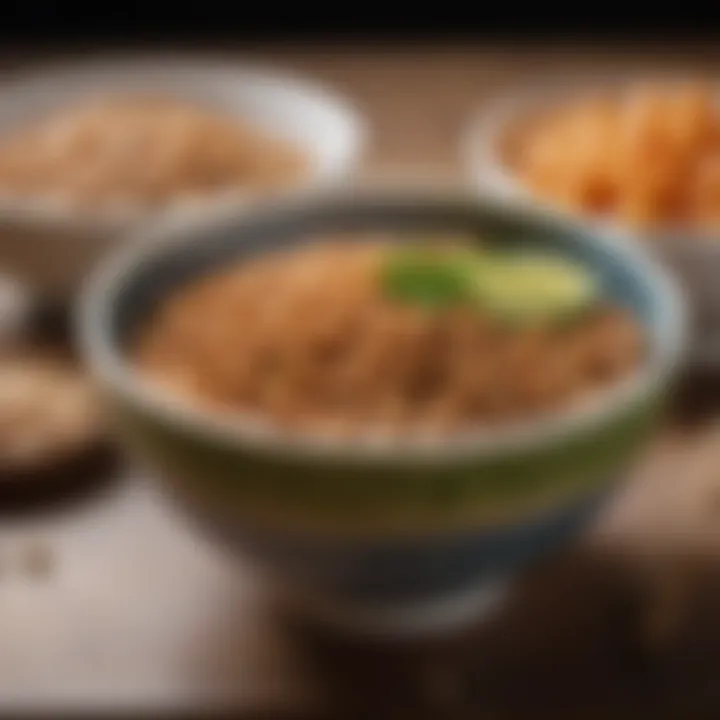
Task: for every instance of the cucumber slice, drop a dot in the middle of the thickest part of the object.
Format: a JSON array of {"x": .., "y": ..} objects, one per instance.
[{"x": 528, "y": 287}]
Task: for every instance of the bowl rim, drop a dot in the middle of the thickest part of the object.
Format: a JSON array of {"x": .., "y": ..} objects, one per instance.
[
  {"x": 232, "y": 430},
  {"x": 485, "y": 169},
  {"x": 21, "y": 84}
]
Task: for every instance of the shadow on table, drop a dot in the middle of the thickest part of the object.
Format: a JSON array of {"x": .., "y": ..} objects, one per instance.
[{"x": 583, "y": 637}]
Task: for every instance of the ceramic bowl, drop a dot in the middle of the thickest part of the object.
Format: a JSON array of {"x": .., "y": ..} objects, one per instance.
[
  {"x": 374, "y": 534},
  {"x": 693, "y": 257},
  {"x": 51, "y": 247}
]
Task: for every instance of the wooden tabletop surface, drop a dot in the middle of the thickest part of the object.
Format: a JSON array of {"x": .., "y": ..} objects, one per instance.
[{"x": 136, "y": 613}]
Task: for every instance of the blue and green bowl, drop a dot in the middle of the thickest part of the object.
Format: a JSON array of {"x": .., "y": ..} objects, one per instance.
[{"x": 397, "y": 536}]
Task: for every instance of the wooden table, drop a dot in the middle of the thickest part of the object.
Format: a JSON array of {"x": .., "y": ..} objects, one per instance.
[{"x": 136, "y": 613}]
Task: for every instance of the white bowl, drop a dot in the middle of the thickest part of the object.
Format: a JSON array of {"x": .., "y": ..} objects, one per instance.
[
  {"x": 693, "y": 257},
  {"x": 51, "y": 247}
]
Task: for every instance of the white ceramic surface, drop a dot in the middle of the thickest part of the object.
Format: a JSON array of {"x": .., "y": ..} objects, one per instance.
[
  {"x": 693, "y": 257},
  {"x": 436, "y": 618},
  {"x": 51, "y": 247}
]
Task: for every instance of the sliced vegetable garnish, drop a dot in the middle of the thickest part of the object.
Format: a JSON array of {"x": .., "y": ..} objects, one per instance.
[
  {"x": 518, "y": 287},
  {"x": 535, "y": 287},
  {"x": 427, "y": 277}
]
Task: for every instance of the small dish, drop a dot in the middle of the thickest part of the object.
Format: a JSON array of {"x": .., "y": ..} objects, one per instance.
[{"x": 53, "y": 439}]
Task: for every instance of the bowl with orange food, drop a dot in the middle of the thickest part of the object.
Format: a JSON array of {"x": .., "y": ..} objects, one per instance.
[
  {"x": 94, "y": 149},
  {"x": 638, "y": 159},
  {"x": 391, "y": 402}
]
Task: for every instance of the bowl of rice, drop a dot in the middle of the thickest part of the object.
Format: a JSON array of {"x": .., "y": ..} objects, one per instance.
[{"x": 392, "y": 402}]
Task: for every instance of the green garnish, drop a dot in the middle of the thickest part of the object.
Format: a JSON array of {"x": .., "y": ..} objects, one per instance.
[
  {"x": 426, "y": 277},
  {"x": 535, "y": 287},
  {"x": 517, "y": 287}
]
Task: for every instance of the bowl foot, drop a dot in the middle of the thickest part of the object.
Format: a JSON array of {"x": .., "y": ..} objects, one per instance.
[{"x": 406, "y": 619}]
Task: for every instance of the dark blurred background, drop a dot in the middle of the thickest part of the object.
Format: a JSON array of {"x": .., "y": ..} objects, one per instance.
[{"x": 216, "y": 20}]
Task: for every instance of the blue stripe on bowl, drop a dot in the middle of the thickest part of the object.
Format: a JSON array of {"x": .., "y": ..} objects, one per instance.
[{"x": 413, "y": 570}]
